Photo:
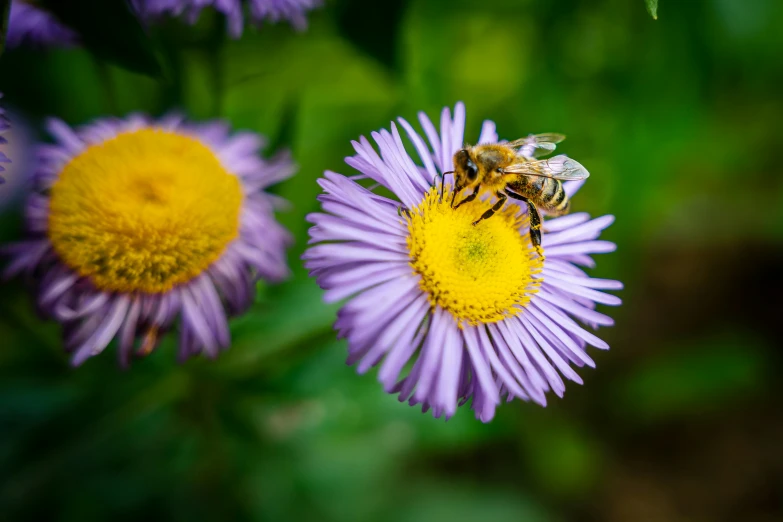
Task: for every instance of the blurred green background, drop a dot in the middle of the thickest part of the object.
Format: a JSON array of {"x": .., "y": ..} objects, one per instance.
[{"x": 679, "y": 122}]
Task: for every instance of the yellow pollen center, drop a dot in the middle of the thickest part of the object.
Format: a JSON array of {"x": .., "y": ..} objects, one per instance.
[
  {"x": 144, "y": 211},
  {"x": 480, "y": 273}
]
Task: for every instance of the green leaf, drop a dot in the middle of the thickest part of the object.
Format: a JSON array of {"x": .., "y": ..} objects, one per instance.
[
  {"x": 652, "y": 8},
  {"x": 110, "y": 30},
  {"x": 5, "y": 9}
]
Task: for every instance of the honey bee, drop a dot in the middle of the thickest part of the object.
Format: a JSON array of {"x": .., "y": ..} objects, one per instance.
[{"x": 512, "y": 170}]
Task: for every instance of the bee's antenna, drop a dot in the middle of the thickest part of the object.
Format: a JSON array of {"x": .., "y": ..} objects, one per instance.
[{"x": 443, "y": 182}]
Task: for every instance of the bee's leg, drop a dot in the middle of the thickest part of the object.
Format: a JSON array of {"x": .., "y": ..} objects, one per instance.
[
  {"x": 535, "y": 226},
  {"x": 497, "y": 206},
  {"x": 469, "y": 198},
  {"x": 535, "y": 220}
]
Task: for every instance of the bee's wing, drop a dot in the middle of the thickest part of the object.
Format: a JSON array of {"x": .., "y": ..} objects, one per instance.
[
  {"x": 537, "y": 145},
  {"x": 549, "y": 137},
  {"x": 540, "y": 150},
  {"x": 558, "y": 167}
]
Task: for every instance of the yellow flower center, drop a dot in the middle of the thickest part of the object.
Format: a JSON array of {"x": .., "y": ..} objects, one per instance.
[
  {"x": 480, "y": 273},
  {"x": 144, "y": 211}
]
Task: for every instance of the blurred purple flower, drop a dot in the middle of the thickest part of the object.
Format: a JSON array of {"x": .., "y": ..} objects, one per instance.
[
  {"x": 135, "y": 225},
  {"x": 275, "y": 10},
  {"x": 271, "y": 11},
  {"x": 15, "y": 142},
  {"x": 472, "y": 312},
  {"x": 4, "y": 126},
  {"x": 34, "y": 26}
]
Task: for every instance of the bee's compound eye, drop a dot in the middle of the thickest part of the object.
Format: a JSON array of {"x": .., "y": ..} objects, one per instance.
[{"x": 471, "y": 171}]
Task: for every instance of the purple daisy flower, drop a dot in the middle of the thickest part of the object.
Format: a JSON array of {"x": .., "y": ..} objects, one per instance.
[
  {"x": 136, "y": 225},
  {"x": 4, "y": 126},
  {"x": 452, "y": 311},
  {"x": 271, "y": 11},
  {"x": 29, "y": 24}
]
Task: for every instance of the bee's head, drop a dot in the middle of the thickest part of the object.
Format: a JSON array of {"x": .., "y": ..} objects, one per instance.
[{"x": 465, "y": 170}]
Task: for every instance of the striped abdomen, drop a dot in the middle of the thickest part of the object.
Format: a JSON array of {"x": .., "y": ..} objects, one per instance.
[
  {"x": 548, "y": 194},
  {"x": 545, "y": 193},
  {"x": 553, "y": 198}
]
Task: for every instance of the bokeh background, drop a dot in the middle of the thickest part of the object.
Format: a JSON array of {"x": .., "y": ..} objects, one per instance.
[{"x": 679, "y": 122}]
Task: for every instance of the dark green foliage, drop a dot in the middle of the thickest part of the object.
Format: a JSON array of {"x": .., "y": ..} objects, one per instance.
[
  {"x": 110, "y": 30},
  {"x": 5, "y": 8},
  {"x": 372, "y": 27}
]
